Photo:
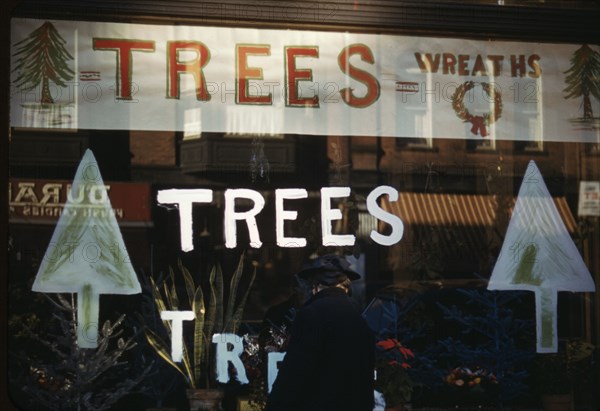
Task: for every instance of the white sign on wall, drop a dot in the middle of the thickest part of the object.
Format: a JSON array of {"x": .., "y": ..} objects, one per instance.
[
  {"x": 589, "y": 199},
  {"x": 241, "y": 80}
]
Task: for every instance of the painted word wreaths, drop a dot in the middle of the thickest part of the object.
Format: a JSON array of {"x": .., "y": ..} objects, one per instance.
[{"x": 479, "y": 122}]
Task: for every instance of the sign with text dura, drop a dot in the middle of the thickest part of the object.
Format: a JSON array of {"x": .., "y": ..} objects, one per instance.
[
  {"x": 240, "y": 80},
  {"x": 40, "y": 201}
]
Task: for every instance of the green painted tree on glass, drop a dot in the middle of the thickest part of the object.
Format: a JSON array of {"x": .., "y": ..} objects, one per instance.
[
  {"x": 41, "y": 58},
  {"x": 583, "y": 78}
]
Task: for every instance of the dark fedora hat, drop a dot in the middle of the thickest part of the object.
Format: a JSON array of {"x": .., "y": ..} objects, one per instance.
[{"x": 329, "y": 266}]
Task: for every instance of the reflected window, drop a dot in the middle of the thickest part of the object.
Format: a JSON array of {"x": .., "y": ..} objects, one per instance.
[{"x": 420, "y": 122}]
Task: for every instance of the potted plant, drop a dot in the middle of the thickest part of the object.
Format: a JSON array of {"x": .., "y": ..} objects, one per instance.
[
  {"x": 393, "y": 380},
  {"x": 556, "y": 374},
  {"x": 211, "y": 316},
  {"x": 163, "y": 379}
]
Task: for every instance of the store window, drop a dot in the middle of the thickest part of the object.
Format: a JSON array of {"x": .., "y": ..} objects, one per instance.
[{"x": 167, "y": 182}]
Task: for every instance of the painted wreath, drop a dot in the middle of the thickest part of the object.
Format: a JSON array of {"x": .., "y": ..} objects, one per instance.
[{"x": 480, "y": 123}]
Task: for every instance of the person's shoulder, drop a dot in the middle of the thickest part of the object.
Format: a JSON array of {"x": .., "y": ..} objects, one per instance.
[{"x": 336, "y": 302}]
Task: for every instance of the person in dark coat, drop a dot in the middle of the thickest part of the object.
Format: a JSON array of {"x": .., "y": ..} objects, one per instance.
[{"x": 330, "y": 358}]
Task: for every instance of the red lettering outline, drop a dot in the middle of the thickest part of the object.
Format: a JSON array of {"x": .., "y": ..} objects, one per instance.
[
  {"x": 175, "y": 67},
  {"x": 293, "y": 76},
  {"x": 373, "y": 87},
  {"x": 243, "y": 73},
  {"x": 124, "y": 49}
]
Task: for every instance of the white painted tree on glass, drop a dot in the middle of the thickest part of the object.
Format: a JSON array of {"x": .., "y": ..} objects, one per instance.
[
  {"x": 539, "y": 255},
  {"x": 86, "y": 254}
]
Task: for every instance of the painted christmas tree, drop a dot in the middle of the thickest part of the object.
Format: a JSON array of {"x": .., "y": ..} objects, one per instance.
[
  {"x": 86, "y": 254},
  {"x": 41, "y": 58},
  {"x": 583, "y": 78},
  {"x": 539, "y": 255}
]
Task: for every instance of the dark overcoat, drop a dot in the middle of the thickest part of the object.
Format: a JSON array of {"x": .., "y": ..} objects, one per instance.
[{"x": 330, "y": 358}]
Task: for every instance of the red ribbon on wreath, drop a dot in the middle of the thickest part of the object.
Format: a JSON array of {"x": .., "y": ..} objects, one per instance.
[{"x": 478, "y": 125}]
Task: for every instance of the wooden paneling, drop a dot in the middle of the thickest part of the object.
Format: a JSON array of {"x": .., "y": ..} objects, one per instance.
[
  {"x": 555, "y": 21},
  {"x": 235, "y": 155}
]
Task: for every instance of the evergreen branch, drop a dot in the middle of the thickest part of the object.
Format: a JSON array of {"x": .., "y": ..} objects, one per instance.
[{"x": 54, "y": 303}]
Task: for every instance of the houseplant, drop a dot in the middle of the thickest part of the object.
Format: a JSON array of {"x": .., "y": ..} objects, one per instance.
[
  {"x": 162, "y": 381},
  {"x": 393, "y": 380},
  {"x": 211, "y": 316}
]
